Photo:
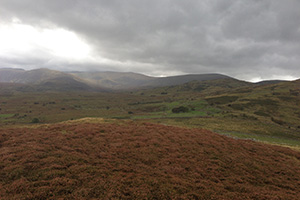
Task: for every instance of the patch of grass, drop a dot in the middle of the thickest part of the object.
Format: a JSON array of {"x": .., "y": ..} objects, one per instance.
[
  {"x": 238, "y": 124},
  {"x": 6, "y": 115},
  {"x": 121, "y": 117},
  {"x": 197, "y": 108},
  {"x": 154, "y": 116},
  {"x": 263, "y": 138}
]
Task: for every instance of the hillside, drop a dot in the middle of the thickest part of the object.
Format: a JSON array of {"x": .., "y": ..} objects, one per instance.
[
  {"x": 268, "y": 113},
  {"x": 7, "y": 88},
  {"x": 96, "y": 80},
  {"x": 179, "y": 80},
  {"x": 31, "y": 76},
  {"x": 66, "y": 84},
  {"x": 275, "y": 103},
  {"x": 11, "y": 75},
  {"x": 94, "y": 159},
  {"x": 205, "y": 87},
  {"x": 269, "y": 82},
  {"x": 42, "y": 80},
  {"x": 114, "y": 80},
  {"x": 128, "y": 80}
]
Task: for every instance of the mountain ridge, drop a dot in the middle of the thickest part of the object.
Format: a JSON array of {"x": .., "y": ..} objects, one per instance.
[
  {"x": 108, "y": 80},
  {"x": 43, "y": 79}
]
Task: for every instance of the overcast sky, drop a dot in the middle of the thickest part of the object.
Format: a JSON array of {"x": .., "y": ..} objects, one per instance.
[{"x": 247, "y": 39}]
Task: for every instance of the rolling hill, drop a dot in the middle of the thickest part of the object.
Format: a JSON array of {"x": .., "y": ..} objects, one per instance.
[
  {"x": 32, "y": 76},
  {"x": 134, "y": 146},
  {"x": 268, "y": 112},
  {"x": 114, "y": 80},
  {"x": 98, "y": 159},
  {"x": 44, "y": 78},
  {"x": 179, "y": 80},
  {"x": 226, "y": 104},
  {"x": 129, "y": 80}
]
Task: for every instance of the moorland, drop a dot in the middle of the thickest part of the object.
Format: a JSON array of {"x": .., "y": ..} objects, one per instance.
[{"x": 130, "y": 136}]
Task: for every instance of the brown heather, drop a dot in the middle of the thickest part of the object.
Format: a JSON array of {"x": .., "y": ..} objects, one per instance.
[{"x": 141, "y": 161}]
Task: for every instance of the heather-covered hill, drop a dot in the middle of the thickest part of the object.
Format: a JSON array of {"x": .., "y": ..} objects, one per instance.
[{"x": 128, "y": 160}]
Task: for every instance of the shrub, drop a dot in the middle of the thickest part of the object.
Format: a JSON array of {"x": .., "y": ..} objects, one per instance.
[
  {"x": 35, "y": 120},
  {"x": 180, "y": 109}
]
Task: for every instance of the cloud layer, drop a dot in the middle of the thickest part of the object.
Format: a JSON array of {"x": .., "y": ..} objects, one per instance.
[{"x": 251, "y": 40}]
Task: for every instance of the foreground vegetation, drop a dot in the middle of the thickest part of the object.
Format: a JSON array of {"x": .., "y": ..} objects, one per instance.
[{"x": 117, "y": 159}]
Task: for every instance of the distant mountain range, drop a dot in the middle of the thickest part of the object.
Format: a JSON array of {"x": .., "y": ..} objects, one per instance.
[
  {"x": 46, "y": 79},
  {"x": 43, "y": 79}
]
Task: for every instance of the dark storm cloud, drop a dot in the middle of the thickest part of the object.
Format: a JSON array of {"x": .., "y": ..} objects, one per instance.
[{"x": 245, "y": 39}]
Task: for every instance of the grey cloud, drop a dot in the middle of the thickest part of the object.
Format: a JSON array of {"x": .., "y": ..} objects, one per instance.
[{"x": 236, "y": 37}]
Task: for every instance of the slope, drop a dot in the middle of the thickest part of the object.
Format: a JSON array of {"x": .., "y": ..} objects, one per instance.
[
  {"x": 129, "y": 80},
  {"x": 178, "y": 80},
  {"x": 94, "y": 159},
  {"x": 270, "y": 113},
  {"x": 276, "y": 103},
  {"x": 10, "y": 75},
  {"x": 111, "y": 80},
  {"x": 43, "y": 80},
  {"x": 114, "y": 80},
  {"x": 31, "y": 76}
]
